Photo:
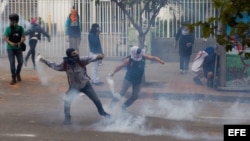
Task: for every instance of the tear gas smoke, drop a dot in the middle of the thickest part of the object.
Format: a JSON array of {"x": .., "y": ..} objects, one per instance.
[
  {"x": 111, "y": 84},
  {"x": 177, "y": 110},
  {"x": 41, "y": 71}
]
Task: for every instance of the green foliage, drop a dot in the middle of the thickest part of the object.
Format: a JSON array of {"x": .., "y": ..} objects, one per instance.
[{"x": 228, "y": 10}]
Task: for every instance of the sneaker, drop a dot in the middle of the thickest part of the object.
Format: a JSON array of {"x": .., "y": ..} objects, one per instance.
[
  {"x": 25, "y": 63},
  {"x": 197, "y": 81},
  {"x": 181, "y": 71},
  {"x": 19, "y": 78},
  {"x": 124, "y": 108},
  {"x": 13, "y": 82},
  {"x": 106, "y": 115},
  {"x": 67, "y": 122},
  {"x": 34, "y": 66},
  {"x": 113, "y": 102},
  {"x": 185, "y": 71}
]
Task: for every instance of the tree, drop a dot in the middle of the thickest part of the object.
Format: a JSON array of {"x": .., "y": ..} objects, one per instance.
[
  {"x": 145, "y": 18},
  {"x": 231, "y": 24},
  {"x": 231, "y": 28}
]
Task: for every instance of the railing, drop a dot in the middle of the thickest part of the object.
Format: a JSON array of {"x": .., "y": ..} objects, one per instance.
[{"x": 52, "y": 15}]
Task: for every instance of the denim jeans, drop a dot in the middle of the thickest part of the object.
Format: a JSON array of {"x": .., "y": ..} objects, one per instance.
[
  {"x": 89, "y": 91},
  {"x": 32, "y": 51},
  {"x": 12, "y": 53},
  {"x": 184, "y": 62}
]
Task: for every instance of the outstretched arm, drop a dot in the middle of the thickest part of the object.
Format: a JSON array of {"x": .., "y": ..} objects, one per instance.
[
  {"x": 154, "y": 58},
  {"x": 54, "y": 66},
  {"x": 119, "y": 67}
]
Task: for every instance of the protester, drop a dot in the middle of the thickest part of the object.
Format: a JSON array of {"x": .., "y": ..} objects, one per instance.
[
  {"x": 186, "y": 41},
  {"x": 75, "y": 68},
  {"x": 208, "y": 68},
  {"x": 73, "y": 29},
  {"x": 14, "y": 37},
  {"x": 211, "y": 68},
  {"x": 135, "y": 64},
  {"x": 95, "y": 48},
  {"x": 34, "y": 35}
]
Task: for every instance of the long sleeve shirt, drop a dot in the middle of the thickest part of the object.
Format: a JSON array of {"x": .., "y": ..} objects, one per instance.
[{"x": 77, "y": 74}]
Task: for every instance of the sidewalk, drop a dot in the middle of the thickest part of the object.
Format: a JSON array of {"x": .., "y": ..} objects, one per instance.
[
  {"x": 161, "y": 81},
  {"x": 166, "y": 81}
]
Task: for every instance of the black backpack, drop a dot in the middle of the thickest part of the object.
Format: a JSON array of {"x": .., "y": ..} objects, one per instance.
[{"x": 15, "y": 35}]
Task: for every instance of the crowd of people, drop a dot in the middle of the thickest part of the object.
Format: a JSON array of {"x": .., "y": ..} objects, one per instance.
[{"x": 75, "y": 65}]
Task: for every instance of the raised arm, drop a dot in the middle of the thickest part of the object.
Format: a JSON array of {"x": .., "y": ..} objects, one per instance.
[
  {"x": 53, "y": 65},
  {"x": 154, "y": 58}
]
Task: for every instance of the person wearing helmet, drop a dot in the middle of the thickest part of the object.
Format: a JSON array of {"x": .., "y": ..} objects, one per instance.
[
  {"x": 14, "y": 37},
  {"x": 75, "y": 68},
  {"x": 95, "y": 48},
  {"x": 34, "y": 34},
  {"x": 135, "y": 64}
]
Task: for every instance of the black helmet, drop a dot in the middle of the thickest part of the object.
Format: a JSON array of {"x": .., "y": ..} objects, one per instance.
[
  {"x": 69, "y": 51},
  {"x": 14, "y": 17}
]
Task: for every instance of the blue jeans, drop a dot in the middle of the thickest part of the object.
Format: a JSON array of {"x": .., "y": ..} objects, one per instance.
[
  {"x": 12, "y": 53},
  {"x": 89, "y": 91},
  {"x": 32, "y": 51},
  {"x": 184, "y": 62},
  {"x": 134, "y": 96}
]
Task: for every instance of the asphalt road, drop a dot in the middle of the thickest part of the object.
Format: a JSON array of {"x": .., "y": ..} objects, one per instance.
[{"x": 32, "y": 110}]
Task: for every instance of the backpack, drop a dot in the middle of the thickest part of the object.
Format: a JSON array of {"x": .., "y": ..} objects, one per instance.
[{"x": 15, "y": 35}]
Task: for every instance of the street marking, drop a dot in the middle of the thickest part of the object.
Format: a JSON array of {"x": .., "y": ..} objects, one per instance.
[
  {"x": 225, "y": 118},
  {"x": 19, "y": 135}
]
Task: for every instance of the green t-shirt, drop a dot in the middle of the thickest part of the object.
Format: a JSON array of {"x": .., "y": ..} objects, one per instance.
[{"x": 7, "y": 33}]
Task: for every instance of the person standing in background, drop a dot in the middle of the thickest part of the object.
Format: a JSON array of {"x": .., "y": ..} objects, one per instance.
[
  {"x": 34, "y": 35},
  {"x": 73, "y": 29},
  {"x": 186, "y": 41},
  {"x": 95, "y": 48},
  {"x": 14, "y": 37}
]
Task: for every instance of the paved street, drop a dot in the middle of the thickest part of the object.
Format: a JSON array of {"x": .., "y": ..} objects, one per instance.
[{"x": 170, "y": 108}]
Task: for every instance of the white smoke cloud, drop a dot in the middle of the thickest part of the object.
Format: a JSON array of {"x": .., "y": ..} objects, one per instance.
[
  {"x": 43, "y": 75},
  {"x": 177, "y": 110}
]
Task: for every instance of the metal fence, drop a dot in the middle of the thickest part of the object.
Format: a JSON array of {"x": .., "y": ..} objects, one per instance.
[{"x": 52, "y": 15}]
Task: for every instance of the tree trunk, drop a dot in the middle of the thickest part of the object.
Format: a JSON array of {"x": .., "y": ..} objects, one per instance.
[{"x": 141, "y": 39}]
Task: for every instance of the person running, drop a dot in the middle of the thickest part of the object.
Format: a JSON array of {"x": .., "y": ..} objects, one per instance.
[
  {"x": 75, "y": 68},
  {"x": 135, "y": 64},
  {"x": 34, "y": 35},
  {"x": 14, "y": 37}
]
